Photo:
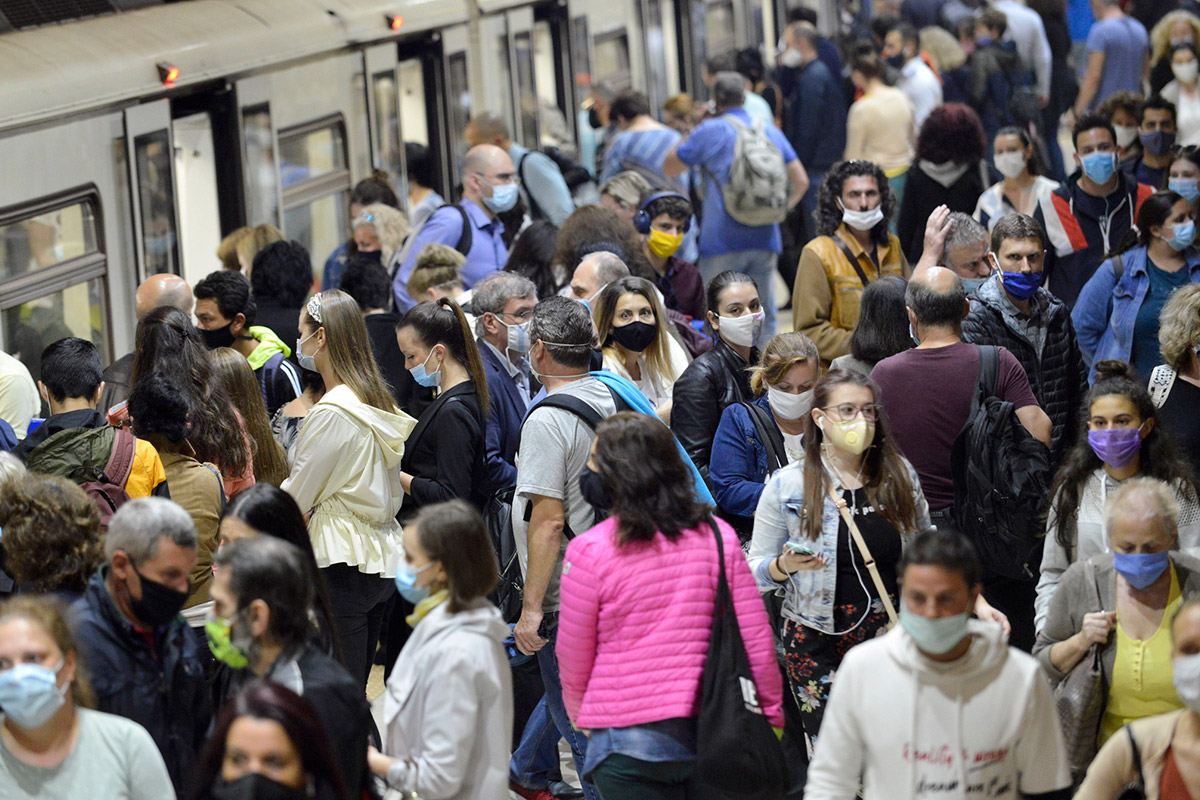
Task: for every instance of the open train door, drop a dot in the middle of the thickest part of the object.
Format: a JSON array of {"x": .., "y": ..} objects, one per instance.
[{"x": 151, "y": 164}]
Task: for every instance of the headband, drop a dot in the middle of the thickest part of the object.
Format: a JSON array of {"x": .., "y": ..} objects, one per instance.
[{"x": 314, "y": 308}]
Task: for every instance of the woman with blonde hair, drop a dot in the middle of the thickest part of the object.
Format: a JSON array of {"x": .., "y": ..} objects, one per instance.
[
  {"x": 381, "y": 228},
  {"x": 233, "y": 373},
  {"x": 237, "y": 250},
  {"x": 1176, "y": 28},
  {"x": 346, "y": 473},
  {"x": 632, "y": 325},
  {"x": 52, "y": 744},
  {"x": 1175, "y": 384}
]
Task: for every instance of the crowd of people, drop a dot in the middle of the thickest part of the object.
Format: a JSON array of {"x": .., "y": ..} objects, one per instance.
[{"x": 544, "y": 459}]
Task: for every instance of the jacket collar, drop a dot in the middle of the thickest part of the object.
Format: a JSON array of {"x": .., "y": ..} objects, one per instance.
[
  {"x": 730, "y": 357},
  {"x": 464, "y": 388},
  {"x": 843, "y": 233}
]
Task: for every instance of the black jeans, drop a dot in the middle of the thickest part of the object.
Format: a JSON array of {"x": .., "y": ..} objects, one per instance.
[
  {"x": 358, "y": 601},
  {"x": 620, "y": 777}
]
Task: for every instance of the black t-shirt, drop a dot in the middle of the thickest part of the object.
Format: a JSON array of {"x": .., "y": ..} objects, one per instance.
[
  {"x": 1180, "y": 421},
  {"x": 883, "y": 540}
]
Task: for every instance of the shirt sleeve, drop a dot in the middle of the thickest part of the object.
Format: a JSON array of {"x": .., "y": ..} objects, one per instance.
[
  {"x": 770, "y": 532},
  {"x": 546, "y": 473},
  {"x": 785, "y": 147},
  {"x": 838, "y": 762},
  {"x": 577, "y": 615},
  {"x": 313, "y": 468},
  {"x": 146, "y": 776},
  {"x": 1097, "y": 39},
  {"x": 147, "y": 471},
  {"x": 703, "y": 144},
  {"x": 1040, "y": 753},
  {"x": 1012, "y": 384},
  {"x": 459, "y": 439},
  {"x": 545, "y": 183}
]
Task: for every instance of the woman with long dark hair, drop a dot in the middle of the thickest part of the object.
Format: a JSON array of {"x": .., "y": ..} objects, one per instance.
[
  {"x": 268, "y": 742},
  {"x": 1121, "y": 438},
  {"x": 532, "y": 255},
  {"x": 1116, "y": 315},
  {"x": 233, "y": 374},
  {"x": 346, "y": 473},
  {"x": 638, "y": 591},
  {"x": 882, "y": 329}
]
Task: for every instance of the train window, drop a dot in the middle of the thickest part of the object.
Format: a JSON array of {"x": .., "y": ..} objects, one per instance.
[
  {"x": 53, "y": 269},
  {"x": 160, "y": 241},
  {"x": 262, "y": 200},
  {"x": 527, "y": 90},
  {"x": 612, "y": 59},
  {"x": 387, "y": 121},
  {"x": 718, "y": 26},
  {"x": 412, "y": 102},
  {"x": 316, "y": 185},
  {"x": 500, "y": 103},
  {"x": 460, "y": 110}
]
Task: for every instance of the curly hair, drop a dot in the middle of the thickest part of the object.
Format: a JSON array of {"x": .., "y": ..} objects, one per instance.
[
  {"x": 952, "y": 132},
  {"x": 52, "y": 536},
  {"x": 1160, "y": 34},
  {"x": 590, "y": 224},
  {"x": 829, "y": 214},
  {"x": 282, "y": 276},
  {"x": 1179, "y": 327},
  {"x": 1158, "y": 457},
  {"x": 391, "y": 228}
]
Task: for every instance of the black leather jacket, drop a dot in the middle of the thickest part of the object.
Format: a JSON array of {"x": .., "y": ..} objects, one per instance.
[{"x": 713, "y": 381}]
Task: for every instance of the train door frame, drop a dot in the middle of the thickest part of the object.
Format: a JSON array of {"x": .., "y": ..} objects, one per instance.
[
  {"x": 378, "y": 61},
  {"x": 519, "y": 24},
  {"x": 141, "y": 121},
  {"x": 254, "y": 96},
  {"x": 557, "y": 17},
  {"x": 219, "y": 101},
  {"x": 429, "y": 52},
  {"x": 455, "y": 51}
]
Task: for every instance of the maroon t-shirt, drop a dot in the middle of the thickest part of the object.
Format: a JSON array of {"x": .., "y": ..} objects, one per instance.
[{"x": 926, "y": 397}]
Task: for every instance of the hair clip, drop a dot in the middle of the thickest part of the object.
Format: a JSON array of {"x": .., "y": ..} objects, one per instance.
[{"x": 314, "y": 308}]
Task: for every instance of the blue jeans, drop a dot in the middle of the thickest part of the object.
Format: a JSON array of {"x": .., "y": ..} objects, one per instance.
[
  {"x": 759, "y": 265},
  {"x": 548, "y": 661},
  {"x": 537, "y": 754}
]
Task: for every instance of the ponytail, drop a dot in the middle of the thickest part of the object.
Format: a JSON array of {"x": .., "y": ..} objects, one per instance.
[{"x": 443, "y": 322}]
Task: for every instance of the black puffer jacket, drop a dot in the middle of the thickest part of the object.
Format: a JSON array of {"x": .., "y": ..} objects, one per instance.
[
  {"x": 1058, "y": 380},
  {"x": 713, "y": 381}
]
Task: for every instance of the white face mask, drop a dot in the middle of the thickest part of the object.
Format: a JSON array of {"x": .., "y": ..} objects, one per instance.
[
  {"x": 1185, "y": 72},
  {"x": 863, "y": 220},
  {"x": 786, "y": 405},
  {"x": 1011, "y": 164},
  {"x": 1126, "y": 134},
  {"x": 791, "y": 59},
  {"x": 1186, "y": 676},
  {"x": 743, "y": 330}
]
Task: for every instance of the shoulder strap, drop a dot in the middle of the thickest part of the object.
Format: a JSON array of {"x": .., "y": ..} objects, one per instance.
[
  {"x": 989, "y": 372},
  {"x": 467, "y": 238},
  {"x": 220, "y": 483},
  {"x": 120, "y": 462},
  {"x": 1162, "y": 378},
  {"x": 862, "y": 276},
  {"x": 868, "y": 559},
  {"x": 1137, "y": 758},
  {"x": 723, "y": 596},
  {"x": 769, "y": 435},
  {"x": 577, "y": 406},
  {"x": 1118, "y": 267},
  {"x": 535, "y": 210}
]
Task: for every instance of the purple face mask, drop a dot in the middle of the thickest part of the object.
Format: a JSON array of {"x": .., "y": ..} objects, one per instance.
[{"x": 1115, "y": 446}]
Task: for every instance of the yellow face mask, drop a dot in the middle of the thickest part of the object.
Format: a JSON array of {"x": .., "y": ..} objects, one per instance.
[{"x": 663, "y": 244}]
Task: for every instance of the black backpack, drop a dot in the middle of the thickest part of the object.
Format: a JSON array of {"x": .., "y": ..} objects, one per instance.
[
  {"x": 1001, "y": 480},
  {"x": 498, "y": 514}
]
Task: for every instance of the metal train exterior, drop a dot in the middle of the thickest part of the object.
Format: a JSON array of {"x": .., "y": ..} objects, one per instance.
[{"x": 130, "y": 143}]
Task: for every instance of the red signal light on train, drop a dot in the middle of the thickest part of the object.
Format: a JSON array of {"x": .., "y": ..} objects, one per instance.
[
  {"x": 394, "y": 21},
  {"x": 168, "y": 74}
]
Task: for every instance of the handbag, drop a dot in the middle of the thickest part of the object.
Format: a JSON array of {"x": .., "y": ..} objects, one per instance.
[
  {"x": 738, "y": 755},
  {"x": 1137, "y": 789},
  {"x": 1079, "y": 699},
  {"x": 868, "y": 559}
]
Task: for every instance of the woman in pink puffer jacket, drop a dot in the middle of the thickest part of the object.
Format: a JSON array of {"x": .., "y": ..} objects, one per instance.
[{"x": 638, "y": 592}]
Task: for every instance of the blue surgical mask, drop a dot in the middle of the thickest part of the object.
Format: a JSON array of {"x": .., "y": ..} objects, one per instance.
[
  {"x": 406, "y": 582},
  {"x": 430, "y": 379},
  {"x": 503, "y": 198},
  {"x": 1187, "y": 188},
  {"x": 934, "y": 636},
  {"x": 306, "y": 362},
  {"x": 973, "y": 284},
  {"x": 1099, "y": 166},
  {"x": 1182, "y": 235},
  {"x": 1021, "y": 285},
  {"x": 518, "y": 336},
  {"x": 1141, "y": 569},
  {"x": 29, "y": 694}
]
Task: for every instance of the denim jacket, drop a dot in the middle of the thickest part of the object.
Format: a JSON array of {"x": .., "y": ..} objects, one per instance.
[
  {"x": 738, "y": 466},
  {"x": 808, "y": 594},
  {"x": 1107, "y": 309}
]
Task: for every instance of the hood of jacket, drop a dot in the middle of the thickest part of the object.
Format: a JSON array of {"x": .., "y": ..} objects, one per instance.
[
  {"x": 268, "y": 345},
  {"x": 389, "y": 430},
  {"x": 946, "y": 173},
  {"x": 1084, "y": 204}
]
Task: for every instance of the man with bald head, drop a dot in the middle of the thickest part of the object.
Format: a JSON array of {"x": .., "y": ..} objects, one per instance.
[
  {"x": 470, "y": 226},
  {"x": 595, "y": 271},
  {"x": 542, "y": 185},
  {"x": 163, "y": 289},
  {"x": 925, "y": 427}
]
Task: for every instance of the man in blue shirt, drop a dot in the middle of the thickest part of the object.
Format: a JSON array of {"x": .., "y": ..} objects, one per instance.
[
  {"x": 726, "y": 244},
  {"x": 489, "y": 188},
  {"x": 1118, "y": 47},
  {"x": 543, "y": 188}
]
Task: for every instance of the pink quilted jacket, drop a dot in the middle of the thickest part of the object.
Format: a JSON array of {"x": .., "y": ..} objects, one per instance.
[{"x": 635, "y": 622}]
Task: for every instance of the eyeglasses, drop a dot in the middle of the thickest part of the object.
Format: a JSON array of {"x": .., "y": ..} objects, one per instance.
[
  {"x": 848, "y": 411},
  {"x": 524, "y": 316}
]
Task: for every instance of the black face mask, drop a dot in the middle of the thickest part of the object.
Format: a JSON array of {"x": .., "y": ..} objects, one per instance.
[
  {"x": 594, "y": 118},
  {"x": 159, "y": 603},
  {"x": 594, "y": 492},
  {"x": 254, "y": 786},
  {"x": 218, "y": 337},
  {"x": 897, "y": 61},
  {"x": 635, "y": 336}
]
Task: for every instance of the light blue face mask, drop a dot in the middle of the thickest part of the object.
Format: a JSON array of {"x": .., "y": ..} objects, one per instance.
[
  {"x": 973, "y": 284},
  {"x": 503, "y": 198},
  {"x": 934, "y": 636},
  {"x": 430, "y": 379},
  {"x": 1099, "y": 166},
  {"x": 306, "y": 362},
  {"x": 1183, "y": 234},
  {"x": 30, "y": 694},
  {"x": 1187, "y": 188},
  {"x": 406, "y": 582}
]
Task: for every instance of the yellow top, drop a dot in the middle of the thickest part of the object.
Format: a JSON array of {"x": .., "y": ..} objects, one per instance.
[{"x": 1141, "y": 682}]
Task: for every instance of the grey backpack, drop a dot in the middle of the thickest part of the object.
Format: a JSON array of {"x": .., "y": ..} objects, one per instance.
[{"x": 757, "y": 191}]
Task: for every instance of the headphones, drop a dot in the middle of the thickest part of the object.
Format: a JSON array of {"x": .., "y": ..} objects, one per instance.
[{"x": 641, "y": 220}]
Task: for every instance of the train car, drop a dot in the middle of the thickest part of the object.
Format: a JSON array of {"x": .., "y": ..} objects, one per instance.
[{"x": 132, "y": 141}]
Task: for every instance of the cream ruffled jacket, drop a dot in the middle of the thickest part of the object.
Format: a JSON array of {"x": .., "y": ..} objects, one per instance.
[{"x": 346, "y": 469}]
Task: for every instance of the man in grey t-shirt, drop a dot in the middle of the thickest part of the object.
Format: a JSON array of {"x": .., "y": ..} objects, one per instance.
[{"x": 555, "y": 445}]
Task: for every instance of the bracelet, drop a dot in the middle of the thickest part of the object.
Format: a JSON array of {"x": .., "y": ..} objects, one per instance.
[{"x": 779, "y": 567}]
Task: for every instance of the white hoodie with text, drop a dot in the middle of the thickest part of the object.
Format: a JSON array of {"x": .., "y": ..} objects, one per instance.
[{"x": 910, "y": 727}]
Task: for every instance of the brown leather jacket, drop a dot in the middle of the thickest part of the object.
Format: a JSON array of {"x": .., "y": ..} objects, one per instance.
[{"x": 828, "y": 290}]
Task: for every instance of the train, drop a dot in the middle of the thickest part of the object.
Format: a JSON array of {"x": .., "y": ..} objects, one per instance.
[{"x": 133, "y": 139}]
